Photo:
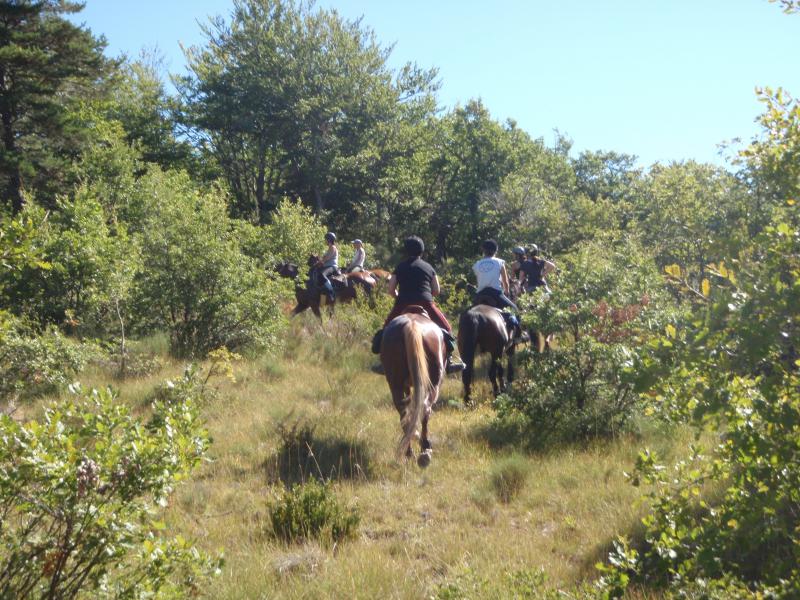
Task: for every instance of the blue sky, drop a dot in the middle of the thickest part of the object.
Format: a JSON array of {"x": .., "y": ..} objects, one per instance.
[{"x": 662, "y": 79}]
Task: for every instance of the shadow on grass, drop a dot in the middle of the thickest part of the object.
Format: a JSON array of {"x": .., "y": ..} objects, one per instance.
[
  {"x": 503, "y": 434},
  {"x": 304, "y": 455}
]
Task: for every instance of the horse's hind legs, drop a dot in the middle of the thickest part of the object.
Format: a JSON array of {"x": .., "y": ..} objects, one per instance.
[{"x": 424, "y": 459}]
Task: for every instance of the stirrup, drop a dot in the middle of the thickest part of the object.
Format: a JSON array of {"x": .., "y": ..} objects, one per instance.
[{"x": 453, "y": 367}]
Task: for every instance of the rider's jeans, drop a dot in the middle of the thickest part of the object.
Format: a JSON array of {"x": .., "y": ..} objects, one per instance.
[{"x": 503, "y": 301}]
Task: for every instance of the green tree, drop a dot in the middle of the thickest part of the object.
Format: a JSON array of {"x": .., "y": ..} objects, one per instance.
[
  {"x": 772, "y": 160},
  {"x": 141, "y": 104},
  {"x": 692, "y": 214},
  {"x": 45, "y": 63},
  {"x": 283, "y": 96},
  {"x": 473, "y": 153}
]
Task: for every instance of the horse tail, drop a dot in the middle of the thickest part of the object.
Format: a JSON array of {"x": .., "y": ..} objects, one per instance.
[{"x": 417, "y": 361}]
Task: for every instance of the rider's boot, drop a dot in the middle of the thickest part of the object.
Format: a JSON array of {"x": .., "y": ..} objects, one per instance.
[
  {"x": 451, "y": 365},
  {"x": 376, "y": 349},
  {"x": 512, "y": 322},
  {"x": 328, "y": 288}
]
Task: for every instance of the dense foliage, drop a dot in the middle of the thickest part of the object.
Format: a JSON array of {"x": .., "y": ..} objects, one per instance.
[
  {"x": 728, "y": 515},
  {"x": 80, "y": 492},
  {"x": 607, "y": 302}
]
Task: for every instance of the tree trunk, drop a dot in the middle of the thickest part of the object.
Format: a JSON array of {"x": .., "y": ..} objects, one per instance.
[
  {"x": 260, "y": 178},
  {"x": 318, "y": 201}
]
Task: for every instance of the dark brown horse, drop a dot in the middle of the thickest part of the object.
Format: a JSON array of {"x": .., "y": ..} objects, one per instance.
[
  {"x": 344, "y": 288},
  {"x": 483, "y": 329},
  {"x": 412, "y": 354}
]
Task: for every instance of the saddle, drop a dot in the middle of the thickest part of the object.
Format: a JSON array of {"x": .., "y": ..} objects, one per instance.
[
  {"x": 512, "y": 323},
  {"x": 415, "y": 309},
  {"x": 486, "y": 300},
  {"x": 340, "y": 279}
]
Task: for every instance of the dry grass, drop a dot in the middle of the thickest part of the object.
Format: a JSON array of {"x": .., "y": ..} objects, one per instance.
[{"x": 419, "y": 529}]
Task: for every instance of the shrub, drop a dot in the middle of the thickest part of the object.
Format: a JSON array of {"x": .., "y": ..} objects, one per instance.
[
  {"x": 606, "y": 303},
  {"x": 305, "y": 455},
  {"x": 199, "y": 284},
  {"x": 508, "y": 477},
  {"x": 90, "y": 264},
  {"x": 80, "y": 491},
  {"x": 32, "y": 365},
  {"x": 310, "y": 511},
  {"x": 727, "y": 517},
  {"x": 294, "y": 233}
]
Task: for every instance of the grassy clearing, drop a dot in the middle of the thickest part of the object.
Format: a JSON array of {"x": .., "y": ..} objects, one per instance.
[{"x": 443, "y": 529}]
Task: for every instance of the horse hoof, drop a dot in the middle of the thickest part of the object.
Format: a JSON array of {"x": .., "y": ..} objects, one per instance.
[{"x": 424, "y": 459}]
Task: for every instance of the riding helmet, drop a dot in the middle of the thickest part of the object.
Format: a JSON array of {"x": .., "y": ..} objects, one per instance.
[
  {"x": 330, "y": 237},
  {"x": 533, "y": 250},
  {"x": 518, "y": 250}
]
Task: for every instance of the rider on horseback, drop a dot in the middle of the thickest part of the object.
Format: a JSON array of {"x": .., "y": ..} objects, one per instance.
[
  {"x": 519, "y": 258},
  {"x": 357, "y": 264},
  {"x": 330, "y": 265},
  {"x": 493, "y": 281},
  {"x": 533, "y": 270},
  {"x": 414, "y": 282}
]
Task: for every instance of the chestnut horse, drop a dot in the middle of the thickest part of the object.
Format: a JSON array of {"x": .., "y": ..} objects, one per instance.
[
  {"x": 483, "y": 329},
  {"x": 344, "y": 288},
  {"x": 413, "y": 354}
]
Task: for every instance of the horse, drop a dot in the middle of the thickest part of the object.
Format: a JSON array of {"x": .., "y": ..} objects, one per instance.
[
  {"x": 379, "y": 274},
  {"x": 344, "y": 289},
  {"x": 481, "y": 329},
  {"x": 413, "y": 355}
]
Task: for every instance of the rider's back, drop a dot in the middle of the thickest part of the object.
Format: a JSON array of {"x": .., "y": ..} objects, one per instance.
[
  {"x": 487, "y": 271},
  {"x": 533, "y": 269},
  {"x": 414, "y": 278}
]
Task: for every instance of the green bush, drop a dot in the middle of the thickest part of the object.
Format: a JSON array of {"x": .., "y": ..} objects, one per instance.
[
  {"x": 198, "y": 283},
  {"x": 310, "y": 511},
  {"x": 728, "y": 516},
  {"x": 35, "y": 364},
  {"x": 294, "y": 233},
  {"x": 606, "y": 302},
  {"x": 90, "y": 264},
  {"x": 80, "y": 495}
]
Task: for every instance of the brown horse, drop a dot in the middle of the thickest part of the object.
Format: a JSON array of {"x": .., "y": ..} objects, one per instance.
[
  {"x": 379, "y": 274},
  {"x": 412, "y": 354},
  {"x": 483, "y": 329},
  {"x": 344, "y": 288}
]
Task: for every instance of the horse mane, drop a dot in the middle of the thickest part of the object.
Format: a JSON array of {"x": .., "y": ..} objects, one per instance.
[{"x": 417, "y": 361}]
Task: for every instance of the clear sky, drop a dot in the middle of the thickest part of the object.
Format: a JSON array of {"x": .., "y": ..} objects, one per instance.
[{"x": 662, "y": 79}]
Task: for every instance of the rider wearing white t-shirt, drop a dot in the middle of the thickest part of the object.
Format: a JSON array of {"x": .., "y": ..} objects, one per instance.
[
  {"x": 357, "y": 264},
  {"x": 492, "y": 277}
]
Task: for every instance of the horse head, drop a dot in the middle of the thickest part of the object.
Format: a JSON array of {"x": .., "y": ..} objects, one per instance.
[
  {"x": 287, "y": 270},
  {"x": 313, "y": 261}
]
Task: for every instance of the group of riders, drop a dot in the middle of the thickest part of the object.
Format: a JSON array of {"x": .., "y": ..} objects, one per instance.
[{"x": 414, "y": 282}]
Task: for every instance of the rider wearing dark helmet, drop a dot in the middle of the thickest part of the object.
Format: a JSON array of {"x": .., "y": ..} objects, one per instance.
[
  {"x": 330, "y": 264},
  {"x": 519, "y": 258},
  {"x": 534, "y": 270},
  {"x": 414, "y": 282}
]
